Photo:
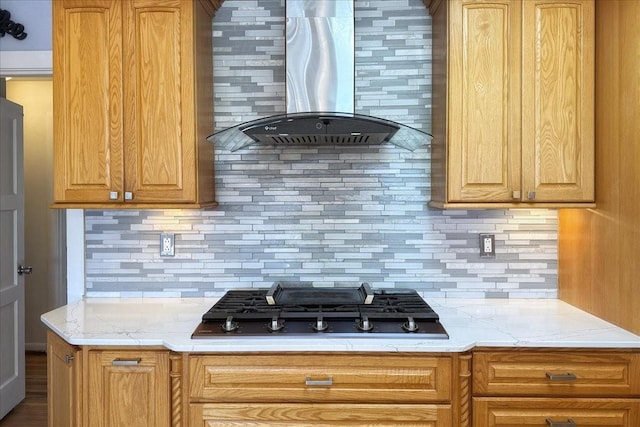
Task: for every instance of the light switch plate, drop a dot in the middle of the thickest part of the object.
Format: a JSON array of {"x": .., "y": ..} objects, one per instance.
[
  {"x": 487, "y": 245},
  {"x": 167, "y": 244}
]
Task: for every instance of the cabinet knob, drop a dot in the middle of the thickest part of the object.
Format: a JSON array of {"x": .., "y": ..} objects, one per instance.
[
  {"x": 113, "y": 195},
  {"x": 128, "y": 195},
  {"x": 531, "y": 195},
  {"x": 516, "y": 195},
  {"x": 68, "y": 359}
]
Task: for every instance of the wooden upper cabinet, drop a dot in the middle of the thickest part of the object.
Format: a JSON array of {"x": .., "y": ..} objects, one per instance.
[
  {"x": 558, "y": 99},
  {"x": 484, "y": 87},
  {"x": 133, "y": 103},
  {"x": 87, "y": 94},
  {"x": 159, "y": 101},
  {"x": 513, "y": 89}
]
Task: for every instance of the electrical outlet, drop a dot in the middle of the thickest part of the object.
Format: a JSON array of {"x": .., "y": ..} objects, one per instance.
[
  {"x": 167, "y": 246},
  {"x": 487, "y": 245}
]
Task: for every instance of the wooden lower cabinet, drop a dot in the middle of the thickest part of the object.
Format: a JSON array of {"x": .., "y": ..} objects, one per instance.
[
  {"x": 332, "y": 389},
  {"x": 361, "y": 378},
  {"x": 64, "y": 382},
  {"x": 556, "y": 388},
  {"x": 546, "y": 412},
  {"x": 563, "y": 373},
  {"x": 309, "y": 414},
  {"x": 127, "y": 388},
  {"x": 508, "y": 387}
]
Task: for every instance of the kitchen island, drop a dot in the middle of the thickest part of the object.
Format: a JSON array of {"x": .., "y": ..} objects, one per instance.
[{"x": 540, "y": 362}]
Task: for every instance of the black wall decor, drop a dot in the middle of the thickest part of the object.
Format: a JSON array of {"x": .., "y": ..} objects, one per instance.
[{"x": 9, "y": 27}]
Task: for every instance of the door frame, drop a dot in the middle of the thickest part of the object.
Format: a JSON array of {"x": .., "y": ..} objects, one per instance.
[{"x": 40, "y": 63}]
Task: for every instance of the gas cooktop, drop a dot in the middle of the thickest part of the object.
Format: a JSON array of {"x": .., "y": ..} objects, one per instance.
[{"x": 321, "y": 311}]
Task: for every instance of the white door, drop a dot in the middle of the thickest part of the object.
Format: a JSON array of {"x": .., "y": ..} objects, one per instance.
[{"x": 12, "y": 378}]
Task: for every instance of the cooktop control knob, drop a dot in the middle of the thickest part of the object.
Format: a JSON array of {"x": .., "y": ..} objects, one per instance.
[
  {"x": 410, "y": 325},
  {"x": 276, "y": 324},
  {"x": 229, "y": 325},
  {"x": 364, "y": 324},
  {"x": 320, "y": 325}
]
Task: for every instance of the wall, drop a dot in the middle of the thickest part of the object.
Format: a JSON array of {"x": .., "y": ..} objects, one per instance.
[
  {"x": 31, "y": 56},
  {"x": 35, "y": 16},
  {"x": 599, "y": 266},
  {"x": 319, "y": 214}
]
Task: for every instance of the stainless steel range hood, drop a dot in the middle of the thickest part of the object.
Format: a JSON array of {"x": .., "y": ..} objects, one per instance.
[{"x": 320, "y": 88}]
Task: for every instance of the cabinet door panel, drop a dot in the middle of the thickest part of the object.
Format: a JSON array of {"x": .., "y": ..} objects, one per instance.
[
  {"x": 87, "y": 100},
  {"x": 281, "y": 415},
  {"x": 558, "y": 99},
  {"x": 128, "y": 389},
  {"x": 159, "y": 103},
  {"x": 484, "y": 101},
  {"x": 505, "y": 412},
  {"x": 63, "y": 382}
]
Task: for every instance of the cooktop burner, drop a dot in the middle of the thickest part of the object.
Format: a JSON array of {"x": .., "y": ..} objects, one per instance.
[{"x": 392, "y": 312}]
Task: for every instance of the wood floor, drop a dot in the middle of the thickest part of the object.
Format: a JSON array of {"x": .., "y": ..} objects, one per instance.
[{"x": 32, "y": 411}]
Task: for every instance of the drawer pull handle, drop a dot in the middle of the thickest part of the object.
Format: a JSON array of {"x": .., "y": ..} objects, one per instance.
[
  {"x": 568, "y": 423},
  {"x": 126, "y": 362},
  {"x": 562, "y": 377},
  {"x": 315, "y": 383}
]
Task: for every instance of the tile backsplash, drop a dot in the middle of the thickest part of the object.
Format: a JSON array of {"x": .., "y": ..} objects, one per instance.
[{"x": 322, "y": 215}]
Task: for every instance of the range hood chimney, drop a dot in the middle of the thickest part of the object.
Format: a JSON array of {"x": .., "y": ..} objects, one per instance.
[{"x": 320, "y": 88}]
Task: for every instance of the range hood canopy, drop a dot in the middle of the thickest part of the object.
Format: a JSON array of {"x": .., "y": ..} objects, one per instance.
[
  {"x": 320, "y": 56},
  {"x": 314, "y": 129}
]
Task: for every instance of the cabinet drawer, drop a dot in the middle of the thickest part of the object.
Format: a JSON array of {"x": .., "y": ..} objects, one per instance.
[
  {"x": 556, "y": 373},
  {"x": 275, "y": 415},
  {"x": 503, "y": 412},
  {"x": 320, "y": 378}
]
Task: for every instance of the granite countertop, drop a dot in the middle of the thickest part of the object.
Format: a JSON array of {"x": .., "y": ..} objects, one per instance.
[{"x": 169, "y": 322}]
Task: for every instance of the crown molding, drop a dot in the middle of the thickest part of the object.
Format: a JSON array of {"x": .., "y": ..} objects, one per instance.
[{"x": 26, "y": 63}]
